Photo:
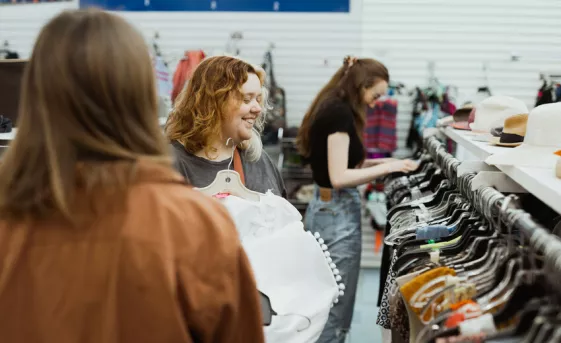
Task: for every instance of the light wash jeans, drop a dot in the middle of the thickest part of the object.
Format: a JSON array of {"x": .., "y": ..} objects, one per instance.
[{"x": 338, "y": 221}]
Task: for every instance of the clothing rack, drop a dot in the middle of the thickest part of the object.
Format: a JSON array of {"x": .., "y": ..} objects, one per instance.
[{"x": 539, "y": 239}]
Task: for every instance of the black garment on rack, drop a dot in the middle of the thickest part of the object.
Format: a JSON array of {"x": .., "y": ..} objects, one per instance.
[
  {"x": 5, "y": 125},
  {"x": 11, "y": 55},
  {"x": 414, "y": 139},
  {"x": 545, "y": 95},
  {"x": 505, "y": 267},
  {"x": 277, "y": 97},
  {"x": 384, "y": 266}
]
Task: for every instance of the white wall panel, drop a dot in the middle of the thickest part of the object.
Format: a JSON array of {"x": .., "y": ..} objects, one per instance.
[
  {"x": 459, "y": 37},
  {"x": 308, "y": 47}
]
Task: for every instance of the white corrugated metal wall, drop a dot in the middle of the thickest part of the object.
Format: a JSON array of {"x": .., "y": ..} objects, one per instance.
[
  {"x": 308, "y": 46},
  {"x": 460, "y": 37}
]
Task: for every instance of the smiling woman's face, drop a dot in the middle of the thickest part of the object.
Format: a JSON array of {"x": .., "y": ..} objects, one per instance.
[{"x": 243, "y": 114}]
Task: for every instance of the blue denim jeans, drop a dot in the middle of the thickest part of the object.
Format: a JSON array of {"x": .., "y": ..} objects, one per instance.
[{"x": 338, "y": 222}]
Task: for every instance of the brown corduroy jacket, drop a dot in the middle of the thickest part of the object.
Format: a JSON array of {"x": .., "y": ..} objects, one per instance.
[{"x": 167, "y": 268}]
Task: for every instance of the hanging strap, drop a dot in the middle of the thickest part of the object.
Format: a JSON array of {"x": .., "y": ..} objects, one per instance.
[{"x": 238, "y": 165}]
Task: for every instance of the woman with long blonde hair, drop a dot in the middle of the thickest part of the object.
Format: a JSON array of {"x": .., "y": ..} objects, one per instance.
[{"x": 100, "y": 239}]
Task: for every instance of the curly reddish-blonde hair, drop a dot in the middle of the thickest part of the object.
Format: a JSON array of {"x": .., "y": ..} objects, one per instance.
[{"x": 201, "y": 108}]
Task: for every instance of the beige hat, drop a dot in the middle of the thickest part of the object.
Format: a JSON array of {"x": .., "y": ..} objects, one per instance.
[{"x": 513, "y": 131}]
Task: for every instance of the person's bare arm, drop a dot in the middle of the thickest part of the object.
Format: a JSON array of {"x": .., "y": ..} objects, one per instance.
[
  {"x": 342, "y": 177},
  {"x": 376, "y": 161}
]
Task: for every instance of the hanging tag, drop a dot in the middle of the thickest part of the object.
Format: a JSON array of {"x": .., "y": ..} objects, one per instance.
[
  {"x": 483, "y": 324},
  {"x": 435, "y": 256}
]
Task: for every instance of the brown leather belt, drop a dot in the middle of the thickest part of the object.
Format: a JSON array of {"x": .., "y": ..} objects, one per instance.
[{"x": 325, "y": 194}]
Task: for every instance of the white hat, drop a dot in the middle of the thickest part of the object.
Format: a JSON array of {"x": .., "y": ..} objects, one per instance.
[
  {"x": 492, "y": 112},
  {"x": 543, "y": 138}
]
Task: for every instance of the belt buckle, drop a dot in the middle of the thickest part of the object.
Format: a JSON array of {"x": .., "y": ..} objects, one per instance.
[{"x": 325, "y": 194}]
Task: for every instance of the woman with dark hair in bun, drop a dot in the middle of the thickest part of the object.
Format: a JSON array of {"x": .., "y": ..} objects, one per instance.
[{"x": 330, "y": 138}]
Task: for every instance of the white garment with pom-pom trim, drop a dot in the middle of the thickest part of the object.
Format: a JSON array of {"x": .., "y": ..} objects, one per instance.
[{"x": 291, "y": 266}]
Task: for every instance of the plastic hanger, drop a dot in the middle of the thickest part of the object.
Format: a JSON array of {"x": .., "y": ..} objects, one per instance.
[
  {"x": 410, "y": 258},
  {"x": 229, "y": 181}
]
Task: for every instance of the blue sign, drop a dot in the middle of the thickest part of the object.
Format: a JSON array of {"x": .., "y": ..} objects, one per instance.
[{"x": 222, "y": 5}]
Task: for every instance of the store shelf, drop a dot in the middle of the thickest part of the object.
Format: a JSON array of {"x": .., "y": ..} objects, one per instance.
[
  {"x": 542, "y": 183},
  {"x": 481, "y": 150}
]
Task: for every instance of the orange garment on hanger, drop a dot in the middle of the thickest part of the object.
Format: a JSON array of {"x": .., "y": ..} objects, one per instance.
[
  {"x": 411, "y": 287},
  {"x": 184, "y": 70}
]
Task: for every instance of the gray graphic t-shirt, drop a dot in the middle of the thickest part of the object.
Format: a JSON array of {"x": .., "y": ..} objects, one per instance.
[{"x": 260, "y": 176}]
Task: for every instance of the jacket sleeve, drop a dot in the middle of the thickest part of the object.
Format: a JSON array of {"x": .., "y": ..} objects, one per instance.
[
  {"x": 247, "y": 325},
  {"x": 217, "y": 290}
]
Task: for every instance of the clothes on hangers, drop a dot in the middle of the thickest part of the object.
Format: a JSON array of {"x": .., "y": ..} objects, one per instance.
[
  {"x": 438, "y": 106},
  {"x": 420, "y": 104},
  {"x": 163, "y": 84},
  {"x": 447, "y": 106},
  {"x": 454, "y": 273},
  {"x": 184, "y": 70},
  {"x": 163, "y": 76},
  {"x": 546, "y": 94},
  {"x": 429, "y": 105},
  {"x": 290, "y": 265},
  {"x": 276, "y": 117},
  {"x": 9, "y": 55},
  {"x": 380, "y": 134}
]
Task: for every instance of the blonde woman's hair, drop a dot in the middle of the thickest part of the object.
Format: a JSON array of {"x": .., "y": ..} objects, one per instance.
[
  {"x": 200, "y": 109},
  {"x": 87, "y": 95}
]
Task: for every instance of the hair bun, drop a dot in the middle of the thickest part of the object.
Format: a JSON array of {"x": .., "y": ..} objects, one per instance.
[{"x": 349, "y": 61}]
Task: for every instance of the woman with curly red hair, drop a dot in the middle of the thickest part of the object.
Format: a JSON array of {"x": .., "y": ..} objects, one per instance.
[{"x": 223, "y": 103}]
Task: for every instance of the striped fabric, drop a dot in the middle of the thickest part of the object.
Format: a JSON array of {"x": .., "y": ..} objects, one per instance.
[{"x": 380, "y": 129}]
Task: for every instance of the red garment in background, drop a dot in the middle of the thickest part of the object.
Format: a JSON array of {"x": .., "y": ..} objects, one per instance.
[
  {"x": 380, "y": 134},
  {"x": 184, "y": 70},
  {"x": 446, "y": 106}
]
